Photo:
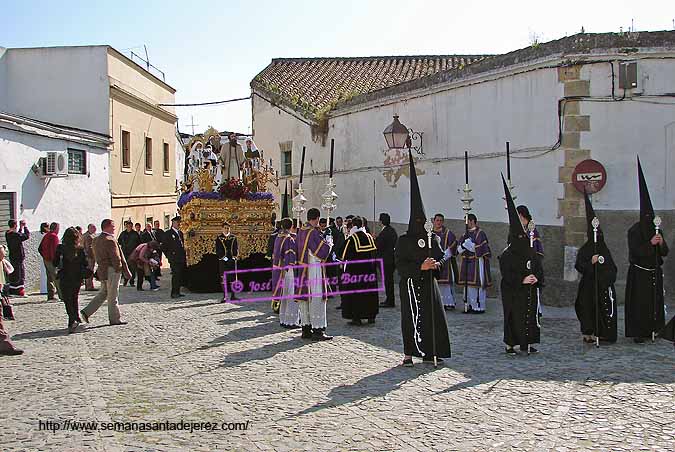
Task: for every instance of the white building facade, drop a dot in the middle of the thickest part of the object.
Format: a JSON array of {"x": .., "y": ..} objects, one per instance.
[
  {"x": 74, "y": 195},
  {"x": 557, "y": 104}
]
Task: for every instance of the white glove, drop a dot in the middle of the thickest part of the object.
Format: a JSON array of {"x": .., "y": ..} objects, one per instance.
[
  {"x": 469, "y": 245},
  {"x": 224, "y": 259},
  {"x": 447, "y": 254}
]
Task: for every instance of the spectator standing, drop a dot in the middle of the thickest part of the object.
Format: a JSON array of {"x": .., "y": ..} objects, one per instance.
[
  {"x": 87, "y": 242},
  {"x": 112, "y": 265},
  {"x": 6, "y": 346},
  {"x": 129, "y": 239},
  {"x": 47, "y": 249},
  {"x": 174, "y": 249},
  {"x": 71, "y": 261},
  {"x": 15, "y": 236}
]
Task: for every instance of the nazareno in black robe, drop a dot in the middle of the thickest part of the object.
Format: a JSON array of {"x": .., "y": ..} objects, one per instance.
[
  {"x": 362, "y": 305},
  {"x": 644, "y": 284},
  {"x": 419, "y": 294},
  {"x": 585, "y": 305},
  {"x": 520, "y": 301}
]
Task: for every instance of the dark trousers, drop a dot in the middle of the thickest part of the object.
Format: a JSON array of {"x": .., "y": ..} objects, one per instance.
[
  {"x": 140, "y": 277},
  {"x": 132, "y": 270},
  {"x": 226, "y": 267},
  {"x": 16, "y": 280},
  {"x": 177, "y": 271},
  {"x": 389, "y": 284},
  {"x": 70, "y": 292}
]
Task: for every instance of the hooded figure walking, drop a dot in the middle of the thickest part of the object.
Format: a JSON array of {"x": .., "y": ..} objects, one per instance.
[
  {"x": 596, "y": 304},
  {"x": 419, "y": 268},
  {"x": 522, "y": 278},
  {"x": 645, "y": 312}
]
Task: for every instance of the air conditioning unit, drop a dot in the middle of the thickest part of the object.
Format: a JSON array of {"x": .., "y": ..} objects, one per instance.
[{"x": 56, "y": 164}]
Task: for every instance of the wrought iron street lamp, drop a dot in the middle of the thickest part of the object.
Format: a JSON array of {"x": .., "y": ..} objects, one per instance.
[{"x": 399, "y": 136}]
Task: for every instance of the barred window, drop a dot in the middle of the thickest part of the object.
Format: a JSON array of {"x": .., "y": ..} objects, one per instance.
[{"x": 77, "y": 161}]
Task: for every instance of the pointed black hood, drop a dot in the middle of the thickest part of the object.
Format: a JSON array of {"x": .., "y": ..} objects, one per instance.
[
  {"x": 417, "y": 215},
  {"x": 590, "y": 214},
  {"x": 284, "y": 206},
  {"x": 646, "y": 208},
  {"x": 518, "y": 240}
]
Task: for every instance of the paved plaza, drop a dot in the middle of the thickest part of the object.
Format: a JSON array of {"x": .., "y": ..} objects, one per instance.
[{"x": 199, "y": 361}]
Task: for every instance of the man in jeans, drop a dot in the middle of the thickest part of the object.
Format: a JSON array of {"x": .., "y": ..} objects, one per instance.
[
  {"x": 47, "y": 250},
  {"x": 111, "y": 266}
]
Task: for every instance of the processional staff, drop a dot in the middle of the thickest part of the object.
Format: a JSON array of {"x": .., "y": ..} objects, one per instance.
[
  {"x": 466, "y": 201},
  {"x": 657, "y": 270},
  {"x": 299, "y": 200},
  {"x": 596, "y": 223},
  {"x": 329, "y": 195}
]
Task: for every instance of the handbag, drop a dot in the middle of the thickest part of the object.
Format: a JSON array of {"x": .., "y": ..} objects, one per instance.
[{"x": 7, "y": 310}]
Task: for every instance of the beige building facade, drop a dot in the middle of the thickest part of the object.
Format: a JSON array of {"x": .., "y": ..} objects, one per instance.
[
  {"x": 96, "y": 88},
  {"x": 142, "y": 161}
]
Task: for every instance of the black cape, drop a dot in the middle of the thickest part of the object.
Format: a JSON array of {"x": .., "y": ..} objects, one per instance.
[
  {"x": 363, "y": 305},
  {"x": 520, "y": 301},
  {"x": 418, "y": 296},
  {"x": 644, "y": 284},
  {"x": 585, "y": 305}
]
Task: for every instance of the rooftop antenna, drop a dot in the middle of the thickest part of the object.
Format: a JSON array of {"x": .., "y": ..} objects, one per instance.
[
  {"x": 192, "y": 124},
  {"x": 147, "y": 58}
]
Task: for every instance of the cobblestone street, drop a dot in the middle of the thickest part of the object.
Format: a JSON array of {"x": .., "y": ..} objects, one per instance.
[{"x": 197, "y": 360}]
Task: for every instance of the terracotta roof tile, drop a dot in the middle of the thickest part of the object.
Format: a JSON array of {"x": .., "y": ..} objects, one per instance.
[{"x": 316, "y": 84}]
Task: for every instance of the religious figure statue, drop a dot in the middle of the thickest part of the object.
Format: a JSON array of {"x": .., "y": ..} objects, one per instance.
[{"x": 231, "y": 158}]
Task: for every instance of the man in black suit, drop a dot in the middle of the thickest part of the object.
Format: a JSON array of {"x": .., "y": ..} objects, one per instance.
[
  {"x": 159, "y": 236},
  {"x": 386, "y": 243},
  {"x": 174, "y": 248}
]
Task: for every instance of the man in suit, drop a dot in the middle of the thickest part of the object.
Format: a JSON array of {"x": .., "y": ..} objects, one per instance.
[
  {"x": 386, "y": 243},
  {"x": 159, "y": 236},
  {"x": 174, "y": 248},
  {"x": 129, "y": 239},
  {"x": 112, "y": 265},
  {"x": 227, "y": 251}
]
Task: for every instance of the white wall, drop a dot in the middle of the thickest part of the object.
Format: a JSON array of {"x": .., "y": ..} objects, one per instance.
[
  {"x": 521, "y": 109},
  {"x": 62, "y": 85},
  {"x": 70, "y": 201},
  {"x": 621, "y": 130},
  {"x": 3, "y": 78}
]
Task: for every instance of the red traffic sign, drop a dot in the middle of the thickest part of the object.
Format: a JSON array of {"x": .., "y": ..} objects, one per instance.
[{"x": 589, "y": 174}]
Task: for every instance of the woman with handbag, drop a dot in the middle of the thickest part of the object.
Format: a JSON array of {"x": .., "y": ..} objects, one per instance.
[
  {"x": 6, "y": 269},
  {"x": 71, "y": 262}
]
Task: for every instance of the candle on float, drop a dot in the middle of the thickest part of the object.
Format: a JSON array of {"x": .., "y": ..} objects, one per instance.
[
  {"x": 466, "y": 167},
  {"x": 302, "y": 163},
  {"x": 508, "y": 161},
  {"x": 332, "y": 149}
]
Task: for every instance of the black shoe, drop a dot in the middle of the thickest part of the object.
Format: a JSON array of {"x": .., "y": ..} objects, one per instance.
[
  {"x": 387, "y": 305},
  {"x": 407, "y": 362},
  {"x": 140, "y": 289},
  {"x": 449, "y": 308},
  {"x": 639, "y": 340},
  {"x": 530, "y": 351},
  {"x": 478, "y": 312},
  {"x": 319, "y": 334},
  {"x": 121, "y": 322},
  {"x": 11, "y": 352},
  {"x": 510, "y": 351},
  {"x": 431, "y": 360},
  {"x": 175, "y": 295},
  {"x": 356, "y": 322},
  {"x": 181, "y": 295},
  {"x": 338, "y": 307},
  {"x": 306, "y": 332}
]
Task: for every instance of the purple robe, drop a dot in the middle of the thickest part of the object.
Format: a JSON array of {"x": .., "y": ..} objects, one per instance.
[
  {"x": 538, "y": 244},
  {"x": 469, "y": 265},
  {"x": 283, "y": 255},
  {"x": 448, "y": 240},
  {"x": 309, "y": 239}
]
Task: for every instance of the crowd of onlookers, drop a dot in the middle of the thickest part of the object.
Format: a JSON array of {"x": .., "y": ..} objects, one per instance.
[{"x": 76, "y": 259}]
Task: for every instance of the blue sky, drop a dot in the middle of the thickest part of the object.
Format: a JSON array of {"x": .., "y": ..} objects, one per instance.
[{"x": 210, "y": 50}]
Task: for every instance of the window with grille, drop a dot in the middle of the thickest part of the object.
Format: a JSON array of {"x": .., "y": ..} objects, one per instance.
[
  {"x": 148, "y": 154},
  {"x": 286, "y": 149},
  {"x": 126, "y": 149},
  {"x": 77, "y": 161}
]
